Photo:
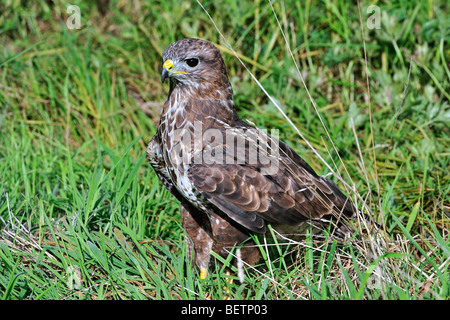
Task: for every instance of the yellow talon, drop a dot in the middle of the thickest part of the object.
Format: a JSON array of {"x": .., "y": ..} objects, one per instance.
[{"x": 203, "y": 273}]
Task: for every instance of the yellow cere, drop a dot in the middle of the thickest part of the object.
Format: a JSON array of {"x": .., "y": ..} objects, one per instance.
[{"x": 168, "y": 64}]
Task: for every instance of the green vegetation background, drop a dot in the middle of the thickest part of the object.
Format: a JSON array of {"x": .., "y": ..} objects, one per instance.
[{"x": 83, "y": 216}]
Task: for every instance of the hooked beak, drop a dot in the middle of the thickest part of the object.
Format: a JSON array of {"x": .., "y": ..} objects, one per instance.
[
  {"x": 167, "y": 70},
  {"x": 165, "y": 74}
]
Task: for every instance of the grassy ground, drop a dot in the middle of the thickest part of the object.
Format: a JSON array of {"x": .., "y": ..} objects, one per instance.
[{"x": 83, "y": 216}]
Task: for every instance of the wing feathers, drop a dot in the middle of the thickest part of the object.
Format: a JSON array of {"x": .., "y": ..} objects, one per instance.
[
  {"x": 245, "y": 218},
  {"x": 293, "y": 194}
]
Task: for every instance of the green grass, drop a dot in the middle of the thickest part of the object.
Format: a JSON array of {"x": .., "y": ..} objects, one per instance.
[{"x": 83, "y": 216}]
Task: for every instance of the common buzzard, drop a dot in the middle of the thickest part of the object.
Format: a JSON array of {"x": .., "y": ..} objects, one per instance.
[{"x": 230, "y": 177}]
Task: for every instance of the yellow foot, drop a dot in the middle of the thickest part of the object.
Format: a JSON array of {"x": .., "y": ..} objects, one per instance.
[{"x": 203, "y": 273}]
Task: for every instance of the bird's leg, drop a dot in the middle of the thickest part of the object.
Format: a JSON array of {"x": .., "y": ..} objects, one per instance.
[
  {"x": 198, "y": 240},
  {"x": 227, "y": 236}
]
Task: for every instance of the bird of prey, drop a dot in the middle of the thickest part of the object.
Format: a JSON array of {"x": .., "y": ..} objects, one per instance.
[{"x": 230, "y": 177}]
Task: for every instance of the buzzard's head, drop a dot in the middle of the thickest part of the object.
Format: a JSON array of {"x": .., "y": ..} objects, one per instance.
[{"x": 194, "y": 62}]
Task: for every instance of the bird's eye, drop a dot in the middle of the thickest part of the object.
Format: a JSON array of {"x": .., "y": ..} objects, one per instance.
[{"x": 192, "y": 62}]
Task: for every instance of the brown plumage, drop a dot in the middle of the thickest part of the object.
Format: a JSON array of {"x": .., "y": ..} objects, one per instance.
[{"x": 230, "y": 177}]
